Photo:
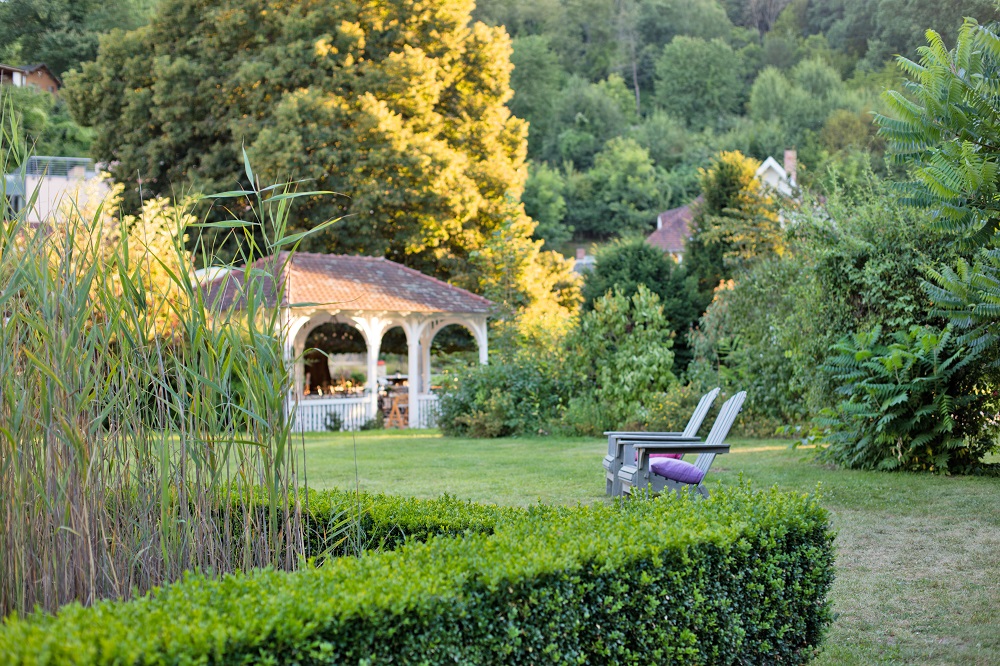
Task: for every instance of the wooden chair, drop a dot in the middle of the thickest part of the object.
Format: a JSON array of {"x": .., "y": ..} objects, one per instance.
[
  {"x": 398, "y": 411},
  {"x": 615, "y": 459},
  {"x": 658, "y": 474}
]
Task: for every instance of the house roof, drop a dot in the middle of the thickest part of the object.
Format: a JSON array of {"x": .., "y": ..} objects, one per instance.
[
  {"x": 772, "y": 174},
  {"x": 672, "y": 229},
  {"x": 771, "y": 164},
  {"x": 355, "y": 283},
  {"x": 30, "y": 69}
]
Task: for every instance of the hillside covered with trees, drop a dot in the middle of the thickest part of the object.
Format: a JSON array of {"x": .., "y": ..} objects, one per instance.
[
  {"x": 653, "y": 88},
  {"x": 624, "y": 99}
]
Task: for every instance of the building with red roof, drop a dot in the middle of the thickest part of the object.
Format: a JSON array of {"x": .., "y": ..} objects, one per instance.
[{"x": 673, "y": 228}]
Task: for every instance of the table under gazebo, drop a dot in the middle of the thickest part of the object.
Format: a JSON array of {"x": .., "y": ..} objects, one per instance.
[{"x": 372, "y": 295}]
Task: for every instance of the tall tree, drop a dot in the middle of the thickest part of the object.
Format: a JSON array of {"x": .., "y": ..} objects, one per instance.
[
  {"x": 698, "y": 80},
  {"x": 802, "y": 102},
  {"x": 537, "y": 79},
  {"x": 621, "y": 195},
  {"x": 397, "y": 104},
  {"x": 544, "y": 202},
  {"x": 731, "y": 193},
  {"x": 878, "y": 29},
  {"x": 586, "y": 116},
  {"x": 586, "y": 37}
]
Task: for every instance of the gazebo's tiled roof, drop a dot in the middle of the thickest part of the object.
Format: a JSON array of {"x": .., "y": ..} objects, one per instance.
[{"x": 357, "y": 283}]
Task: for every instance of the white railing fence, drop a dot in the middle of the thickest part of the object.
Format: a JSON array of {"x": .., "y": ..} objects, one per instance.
[
  {"x": 324, "y": 415},
  {"x": 330, "y": 414},
  {"x": 428, "y": 409}
]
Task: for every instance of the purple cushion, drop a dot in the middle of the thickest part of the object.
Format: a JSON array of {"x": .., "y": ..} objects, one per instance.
[{"x": 677, "y": 470}]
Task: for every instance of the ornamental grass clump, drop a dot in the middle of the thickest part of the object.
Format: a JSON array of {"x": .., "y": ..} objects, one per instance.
[{"x": 134, "y": 413}]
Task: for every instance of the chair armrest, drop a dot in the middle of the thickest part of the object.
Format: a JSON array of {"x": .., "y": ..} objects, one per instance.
[
  {"x": 625, "y": 433},
  {"x": 615, "y": 439},
  {"x": 690, "y": 445},
  {"x": 680, "y": 446}
]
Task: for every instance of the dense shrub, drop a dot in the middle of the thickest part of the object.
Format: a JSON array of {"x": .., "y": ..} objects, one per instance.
[
  {"x": 853, "y": 261},
  {"x": 625, "y": 265},
  {"x": 603, "y": 375},
  {"x": 738, "y": 578},
  {"x": 520, "y": 395},
  {"x": 620, "y": 357},
  {"x": 742, "y": 340},
  {"x": 912, "y": 402}
]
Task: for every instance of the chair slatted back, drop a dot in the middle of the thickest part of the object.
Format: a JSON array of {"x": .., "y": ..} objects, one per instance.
[
  {"x": 690, "y": 430},
  {"x": 700, "y": 412},
  {"x": 720, "y": 429}
]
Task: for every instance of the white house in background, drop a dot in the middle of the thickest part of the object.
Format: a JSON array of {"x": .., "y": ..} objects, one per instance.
[
  {"x": 48, "y": 180},
  {"x": 782, "y": 180}
]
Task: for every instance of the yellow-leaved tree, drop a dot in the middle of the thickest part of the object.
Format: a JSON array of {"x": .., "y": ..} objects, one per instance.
[{"x": 149, "y": 245}]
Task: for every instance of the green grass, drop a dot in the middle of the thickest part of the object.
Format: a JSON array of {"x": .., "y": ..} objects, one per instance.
[{"x": 918, "y": 566}]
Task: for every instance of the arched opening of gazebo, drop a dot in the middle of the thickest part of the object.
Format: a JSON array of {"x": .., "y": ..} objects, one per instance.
[
  {"x": 396, "y": 355},
  {"x": 451, "y": 349},
  {"x": 334, "y": 363}
]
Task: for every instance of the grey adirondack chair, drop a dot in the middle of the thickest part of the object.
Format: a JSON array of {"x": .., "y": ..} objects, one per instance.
[
  {"x": 660, "y": 474},
  {"x": 615, "y": 459}
]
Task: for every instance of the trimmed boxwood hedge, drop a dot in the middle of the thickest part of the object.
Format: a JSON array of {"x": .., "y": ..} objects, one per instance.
[
  {"x": 386, "y": 521},
  {"x": 740, "y": 578}
]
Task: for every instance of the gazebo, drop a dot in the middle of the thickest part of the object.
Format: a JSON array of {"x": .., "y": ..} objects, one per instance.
[{"x": 372, "y": 295}]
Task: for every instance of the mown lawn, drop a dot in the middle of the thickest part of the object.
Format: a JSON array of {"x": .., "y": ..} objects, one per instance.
[{"x": 918, "y": 565}]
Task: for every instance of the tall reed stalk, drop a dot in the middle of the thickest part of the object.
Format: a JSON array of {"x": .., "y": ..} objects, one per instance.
[{"x": 130, "y": 451}]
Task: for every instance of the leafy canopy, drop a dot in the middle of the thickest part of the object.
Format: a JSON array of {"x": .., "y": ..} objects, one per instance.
[
  {"x": 397, "y": 104},
  {"x": 63, "y": 33},
  {"x": 620, "y": 195},
  {"x": 699, "y": 80},
  {"x": 946, "y": 129},
  {"x": 544, "y": 202}
]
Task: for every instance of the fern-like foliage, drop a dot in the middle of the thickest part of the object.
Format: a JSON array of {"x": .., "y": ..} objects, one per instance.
[
  {"x": 946, "y": 127},
  {"x": 910, "y": 402},
  {"x": 969, "y": 296}
]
